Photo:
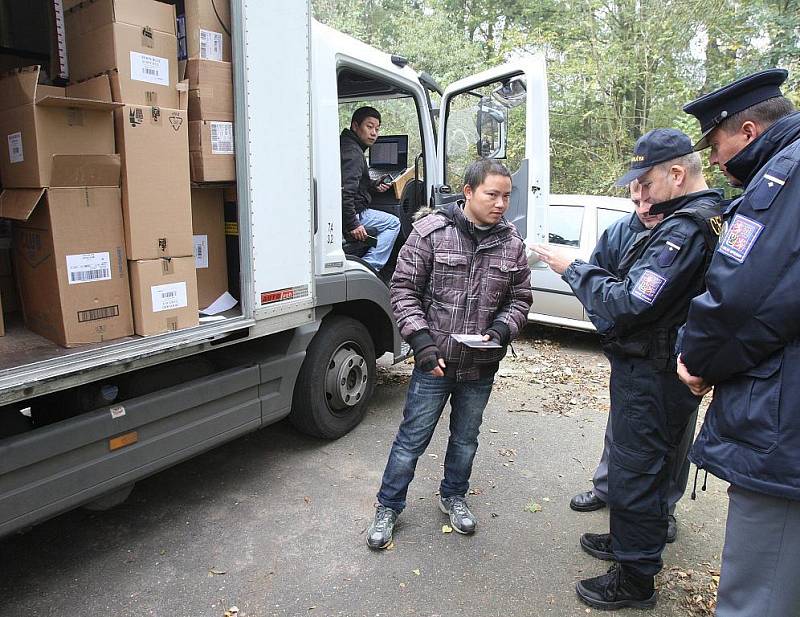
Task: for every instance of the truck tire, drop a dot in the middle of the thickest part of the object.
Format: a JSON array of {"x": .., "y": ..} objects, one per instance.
[{"x": 336, "y": 380}]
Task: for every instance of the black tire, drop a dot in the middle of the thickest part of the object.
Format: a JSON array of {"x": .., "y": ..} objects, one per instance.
[{"x": 336, "y": 380}]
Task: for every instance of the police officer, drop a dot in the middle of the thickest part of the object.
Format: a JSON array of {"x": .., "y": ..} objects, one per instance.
[
  {"x": 743, "y": 337},
  {"x": 640, "y": 310},
  {"x": 611, "y": 247}
]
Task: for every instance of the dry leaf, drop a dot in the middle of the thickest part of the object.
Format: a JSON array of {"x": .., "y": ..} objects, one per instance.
[
  {"x": 447, "y": 529},
  {"x": 416, "y": 571}
]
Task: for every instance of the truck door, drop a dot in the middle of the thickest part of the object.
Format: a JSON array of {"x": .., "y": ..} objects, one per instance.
[{"x": 501, "y": 113}]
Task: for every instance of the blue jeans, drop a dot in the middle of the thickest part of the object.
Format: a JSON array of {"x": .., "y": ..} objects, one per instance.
[
  {"x": 425, "y": 401},
  {"x": 387, "y": 226}
]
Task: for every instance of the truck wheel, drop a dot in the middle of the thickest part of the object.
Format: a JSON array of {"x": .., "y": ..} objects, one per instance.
[{"x": 336, "y": 381}]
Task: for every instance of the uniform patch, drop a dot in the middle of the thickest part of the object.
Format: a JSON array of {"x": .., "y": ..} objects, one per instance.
[
  {"x": 740, "y": 237},
  {"x": 649, "y": 286}
]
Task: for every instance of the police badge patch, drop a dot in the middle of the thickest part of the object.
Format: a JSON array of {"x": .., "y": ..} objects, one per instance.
[
  {"x": 649, "y": 286},
  {"x": 740, "y": 237}
]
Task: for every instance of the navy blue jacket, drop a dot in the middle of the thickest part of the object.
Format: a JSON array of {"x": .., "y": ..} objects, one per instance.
[
  {"x": 655, "y": 291},
  {"x": 615, "y": 242},
  {"x": 743, "y": 334}
]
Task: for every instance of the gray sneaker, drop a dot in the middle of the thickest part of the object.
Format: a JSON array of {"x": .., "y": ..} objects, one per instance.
[
  {"x": 379, "y": 534},
  {"x": 461, "y": 519}
]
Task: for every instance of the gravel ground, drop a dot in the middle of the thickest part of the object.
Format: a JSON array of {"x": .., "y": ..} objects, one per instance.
[{"x": 274, "y": 523}]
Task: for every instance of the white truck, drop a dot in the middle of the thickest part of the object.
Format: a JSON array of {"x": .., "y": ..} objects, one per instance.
[{"x": 81, "y": 426}]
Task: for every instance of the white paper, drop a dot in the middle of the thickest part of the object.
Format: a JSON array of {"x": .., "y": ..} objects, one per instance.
[
  {"x": 476, "y": 341},
  {"x": 88, "y": 268},
  {"x": 222, "y": 138},
  {"x": 200, "y": 251},
  {"x": 225, "y": 302},
  {"x": 169, "y": 297},
  {"x": 152, "y": 69},
  {"x": 15, "y": 153},
  {"x": 210, "y": 45}
]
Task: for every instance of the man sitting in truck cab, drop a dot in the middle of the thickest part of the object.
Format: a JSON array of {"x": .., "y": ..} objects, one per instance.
[{"x": 357, "y": 216}]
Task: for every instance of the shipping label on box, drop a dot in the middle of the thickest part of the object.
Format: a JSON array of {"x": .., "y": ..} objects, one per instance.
[
  {"x": 150, "y": 69},
  {"x": 169, "y": 297},
  {"x": 15, "y": 151},
  {"x": 211, "y": 45},
  {"x": 200, "y": 251},
  {"x": 88, "y": 268},
  {"x": 221, "y": 137}
]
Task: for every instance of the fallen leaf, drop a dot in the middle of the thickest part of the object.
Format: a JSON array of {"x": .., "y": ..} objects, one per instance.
[
  {"x": 433, "y": 455},
  {"x": 447, "y": 529},
  {"x": 391, "y": 546},
  {"x": 492, "y": 430},
  {"x": 416, "y": 571},
  {"x": 533, "y": 507},
  {"x": 216, "y": 572}
]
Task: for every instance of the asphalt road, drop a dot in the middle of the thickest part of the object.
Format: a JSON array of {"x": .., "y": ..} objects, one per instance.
[{"x": 275, "y": 522}]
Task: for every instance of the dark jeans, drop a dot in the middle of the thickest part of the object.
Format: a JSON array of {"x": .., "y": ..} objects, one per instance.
[
  {"x": 650, "y": 409},
  {"x": 425, "y": 401}
]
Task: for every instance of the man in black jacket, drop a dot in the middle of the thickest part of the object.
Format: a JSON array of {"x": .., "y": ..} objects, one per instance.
[
  {"x": 639, "y": 309},
  {"x": 742, "y": 337},
  {"x": 357, "y": 216},
  {"x": 610, "y": 249}
]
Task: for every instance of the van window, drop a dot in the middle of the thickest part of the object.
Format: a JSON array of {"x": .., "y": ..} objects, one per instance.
[
  {"x": 565, "y": 225},
  {"x": 606, "y": 217}
]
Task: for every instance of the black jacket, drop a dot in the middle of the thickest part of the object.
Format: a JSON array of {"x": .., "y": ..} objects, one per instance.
[
  {"x": 654, "y": 291},
  {"x": 743, "y": 333},
  {"x": 355, "y": 179}
]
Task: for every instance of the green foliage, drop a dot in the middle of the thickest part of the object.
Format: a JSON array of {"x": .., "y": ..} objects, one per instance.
[{"x": 616, "y": 68}]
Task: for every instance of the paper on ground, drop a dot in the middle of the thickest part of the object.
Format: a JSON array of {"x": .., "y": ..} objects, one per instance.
[{"x": 225, "y": 302}]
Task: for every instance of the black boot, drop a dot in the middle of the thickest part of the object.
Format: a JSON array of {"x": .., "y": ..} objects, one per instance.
[
  {"x": 598, "y": 545},
  {"x": 619, "y": 588},
  {"x": 586, "y": 501}
]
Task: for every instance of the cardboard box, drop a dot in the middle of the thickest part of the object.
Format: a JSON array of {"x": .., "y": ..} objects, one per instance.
[
  {"x": 210, "y": 260},
  {"x": 211, "y": 151},
  {"x": 156, "y": 202},
  {"x": 164, "y": 295},
  {"x": 210, "y": 90},
  {"x": 69, "y": 254},
  {"x": 208, "y": 24},
  {"x": 135, "y": 39},
  {"x": 37, "y": 122}
]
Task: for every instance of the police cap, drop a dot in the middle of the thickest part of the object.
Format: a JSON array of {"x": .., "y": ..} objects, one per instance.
[
  {"x": 657, "y": 146},
  {"x": 712, "y": 108}
]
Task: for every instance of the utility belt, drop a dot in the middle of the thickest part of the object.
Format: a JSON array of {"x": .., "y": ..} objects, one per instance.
[{"x": 657, "y": 345}]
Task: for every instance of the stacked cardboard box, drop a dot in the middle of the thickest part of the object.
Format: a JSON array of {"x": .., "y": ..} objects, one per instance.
[
  {"x": 208, "y": 223},
  {"x": 136, "y": 41},
  {"x": 61, "y": 180},
  {"x": 209, "y": 73},
  {"x": 207, "y": 26}
]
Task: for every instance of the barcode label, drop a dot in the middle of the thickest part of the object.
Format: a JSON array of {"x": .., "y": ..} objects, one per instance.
[
  {"x": 210, "y": 45},
  {"x": 98, "y": 313},
  {"x": 152, "y": 69},
  {"x": 222, "y": 138},
  {"x": 15, "y": 153},
  {"x": 169, "y": 297},
  {"x": 200, "y": 251},
  {"x": 88, "y": 268}
]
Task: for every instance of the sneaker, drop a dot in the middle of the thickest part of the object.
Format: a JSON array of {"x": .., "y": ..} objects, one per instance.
[
  {"x": 461, "y": 519},
  {"x": 587, "y": 501},
  {"x": 616, "y": 589},
  {"x": 672, "y": 529},
  {"x": 598, "y": 545},
  {"x": 379, "y": 534}
]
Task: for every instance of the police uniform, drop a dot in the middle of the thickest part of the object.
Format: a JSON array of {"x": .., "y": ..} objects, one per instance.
[
  {"x": 743, "y": 336},
  {"x": 638, "y": 313},
  {"x": 611, "y": 248}
]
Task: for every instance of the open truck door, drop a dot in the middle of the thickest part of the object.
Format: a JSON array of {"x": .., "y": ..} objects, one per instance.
[{"x": 501, "y": 113}]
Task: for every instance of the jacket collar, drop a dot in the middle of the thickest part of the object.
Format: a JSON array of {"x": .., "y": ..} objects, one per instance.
[
  {"x": 673, "y": 205},
  {"x": 349, "y": 134},
  {"x": 455, "y": 213},
  {"x": 748, "y": 161}
]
